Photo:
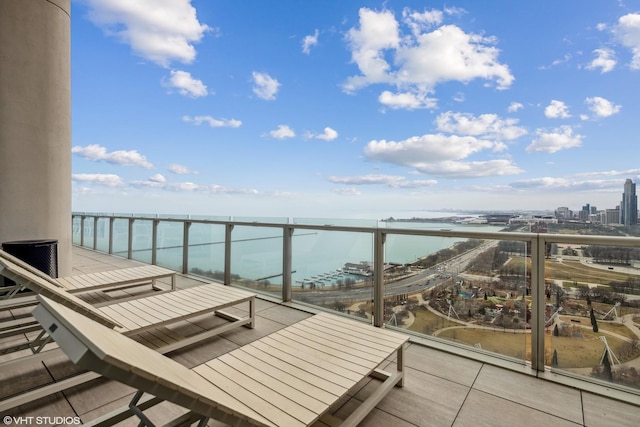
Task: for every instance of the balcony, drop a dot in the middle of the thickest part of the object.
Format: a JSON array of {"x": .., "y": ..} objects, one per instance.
[{"x": 465, "y": 365}]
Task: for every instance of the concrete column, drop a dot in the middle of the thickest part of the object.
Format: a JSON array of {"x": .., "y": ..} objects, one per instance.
[{"x": 35, "y": 123}]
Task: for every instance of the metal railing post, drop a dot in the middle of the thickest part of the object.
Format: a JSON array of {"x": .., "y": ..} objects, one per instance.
[
  {"x": 287, "y": 235},
  {"x": 537, "y": 302},
  {"x": 227, "y": 253},
  {"x": 95, "y": 232},
  {"x": 154, "y": 241},
  {"x": 82, "y": 230},
  {"x": 130, "y": 239},
  {"x": 111, "y": 221},
  {"x": 378, "y": 278},
  {"x": 185, "y": 247}
]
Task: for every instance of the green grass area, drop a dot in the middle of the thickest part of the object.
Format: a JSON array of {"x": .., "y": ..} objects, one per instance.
[
  {"x": 576, "y": 271},
  {"x": 427, "y": 322},
  {"x": 616, "y": 328},
  {"x": 583, "y": 350}
]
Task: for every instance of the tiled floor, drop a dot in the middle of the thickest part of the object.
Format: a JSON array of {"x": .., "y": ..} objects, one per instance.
[{"x": 440, "y": 389}]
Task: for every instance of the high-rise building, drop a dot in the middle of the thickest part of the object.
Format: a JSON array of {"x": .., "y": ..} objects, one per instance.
[
  {"x": 611, "y": 216},
  {"x": 629, "y": 205}
]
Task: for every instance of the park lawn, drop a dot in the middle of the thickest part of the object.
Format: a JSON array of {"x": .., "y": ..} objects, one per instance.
[
  {"x": 427, "y": 322},
  {"x": 584, "y": 352},
  {"x": 576, "y": 271}
]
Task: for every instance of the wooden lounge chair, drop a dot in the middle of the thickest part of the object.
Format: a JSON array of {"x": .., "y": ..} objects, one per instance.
[
  {"x": 291, "y": 377},
  {"x": 112, "y": 279},
  {"x": 131, "y": 317}
]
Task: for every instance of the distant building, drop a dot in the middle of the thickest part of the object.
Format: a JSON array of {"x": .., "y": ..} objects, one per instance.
[
  {"x": 585, "y": 212},
  {"x": 564, "y": 213},
  {"x": 611, "y": 216},
  {"x": 629, "y": 205}
]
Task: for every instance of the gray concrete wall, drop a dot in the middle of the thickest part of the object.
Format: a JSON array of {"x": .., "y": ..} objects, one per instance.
[{"x": 35, "y": 123}]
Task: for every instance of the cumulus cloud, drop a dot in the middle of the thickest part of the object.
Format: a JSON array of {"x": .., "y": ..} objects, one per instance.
[
  {"x": 123, "y": 158},
  {"x": 185, "y": 84},
  {"x": 560, "y": 139},
  {"x": 602, "y": 107},
  {"x": 180, "y": 169},
  {"x": 328, "y": 135},
  {"x": 265, "y": 86},
  {"x": 393, "y": 181},
  {"x": 347, "y": 191},
  {"x": 160, "y": 31},
  {"x": 557, "y": 110},
  {"x": 605, "y": 60},
  {"x": 441, "y": 155},
  {"x": 406, "y": 100},
  {"x": 213, "y": 122},
  {"x": 515, "y": 106},
  {"x": 107, "y": 180},
  {"x": 419, "y": 22},
  {"x": 488, "y": 125},
  {"x": 158, "y": 178},
  {"x": 417, "y": 62},
  {"x": 627, "y": 32},
  {"x": 309, "y": 41},
  {"x": 282, "y": 132},
  {"x": 567, "y": 184},
  {"x": 158, "y": 182}
]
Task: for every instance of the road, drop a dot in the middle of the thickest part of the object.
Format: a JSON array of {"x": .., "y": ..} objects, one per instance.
[{"x": 418, "y": 283}]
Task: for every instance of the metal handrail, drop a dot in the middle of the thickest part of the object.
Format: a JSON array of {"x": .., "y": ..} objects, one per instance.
[{"x": 537, "y": 242}]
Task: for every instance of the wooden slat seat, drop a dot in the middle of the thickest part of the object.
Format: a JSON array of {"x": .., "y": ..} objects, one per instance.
[
  {"x": 131, "y": 317},
  {"x": 291, "y": 377},
  {"x": 111, "y": 279}
]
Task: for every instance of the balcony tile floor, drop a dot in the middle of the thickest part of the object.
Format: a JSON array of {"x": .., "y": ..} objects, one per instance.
[{"x": 440, "y": 389}]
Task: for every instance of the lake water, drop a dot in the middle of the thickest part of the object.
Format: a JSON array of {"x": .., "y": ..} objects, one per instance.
[{"x": 257, "y": 251}]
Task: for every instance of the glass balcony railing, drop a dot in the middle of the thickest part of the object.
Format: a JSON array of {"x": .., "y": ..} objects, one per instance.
[{"x": 564, "y": 303}]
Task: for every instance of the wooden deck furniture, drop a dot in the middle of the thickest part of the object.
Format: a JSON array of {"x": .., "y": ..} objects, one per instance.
[
  {"x": 291, "y": 377},
  {"x": 146, "y": 317},
  {"x": 111, "y": 279}
]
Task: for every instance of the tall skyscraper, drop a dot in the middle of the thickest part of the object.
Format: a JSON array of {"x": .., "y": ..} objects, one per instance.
[{"x": 629, "y": 205}]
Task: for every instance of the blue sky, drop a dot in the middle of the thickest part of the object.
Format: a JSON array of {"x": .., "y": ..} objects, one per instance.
[{"x": 348, "y": 109}]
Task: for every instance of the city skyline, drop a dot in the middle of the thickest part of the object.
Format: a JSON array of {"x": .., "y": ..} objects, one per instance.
[{"x": 363, "y": 110}]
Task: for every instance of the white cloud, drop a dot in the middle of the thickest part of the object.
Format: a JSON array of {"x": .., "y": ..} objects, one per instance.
[
  {"x": 213, "y": 122},
  {"x": 419, "y": 22},
  {"x": 378, "y": 31},
  {"x": 393, "y": 181},
  {"x": 160, "y": 31},
  {"x": 627, "y": 31},
  {"x": 441, "y": 155},
  {"x": 488, "y": 125},
  {"x": 550, "y": 142},
  {"x": 407, "y": 100},
  {"x": 120, "y": 157},
  {"x": 602, "y": 107},
  {"x": 158, "y": 178},
  {"x": 605, "y": 60},
  {"x": 557, "y": 110},
  {"x": 265, "y": 86},
  {"x": 366, "y": 179},
  {"x": 474, "y": 169},
  {"x": 282, "y": 132},
  {"x": 515, "y": 106},
  {"x": 567, "y": 184},
  {"x": 185, "y": 84},
  {"x": 180, "y": 169},
  {"x": 309, "y": 41},
  {"x": 422, "y": 59},
  {"x": 348, "y": 191},
  {"x": 328, "y": 135},
  {"x": 107, "y": 180}
]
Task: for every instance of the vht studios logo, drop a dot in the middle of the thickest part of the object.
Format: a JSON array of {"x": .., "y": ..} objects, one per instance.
[{"x": 9, "y": 420}]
